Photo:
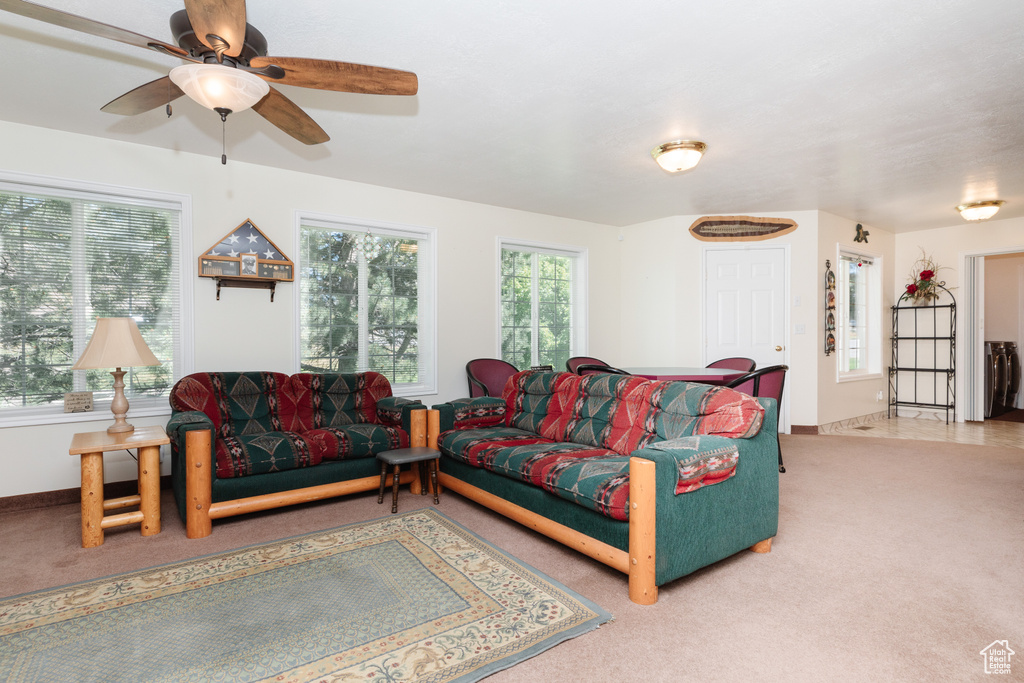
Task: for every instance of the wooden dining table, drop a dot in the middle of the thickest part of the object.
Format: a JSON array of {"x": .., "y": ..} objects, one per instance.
[{"x": 717, "y": 376}]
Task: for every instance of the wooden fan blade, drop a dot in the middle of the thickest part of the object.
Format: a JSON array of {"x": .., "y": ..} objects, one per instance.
[
  {"x": 287, "y": 116},
  {"x": 77, "y": 23},
  {"x": 324, "y": 74},
  {"x": 144, "y": 98},
  {"x": 220, "y": 24}
]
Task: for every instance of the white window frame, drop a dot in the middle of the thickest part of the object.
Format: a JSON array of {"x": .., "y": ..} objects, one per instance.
[
  {"x": 426, "y": 292},
  {"x": 580, "y": 292},
  {"x": 184, "y": 349},
  {"x": 873, "y": 324}
]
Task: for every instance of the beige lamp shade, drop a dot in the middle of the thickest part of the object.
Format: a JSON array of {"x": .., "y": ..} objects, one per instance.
[{"x": 115, "y": 343}]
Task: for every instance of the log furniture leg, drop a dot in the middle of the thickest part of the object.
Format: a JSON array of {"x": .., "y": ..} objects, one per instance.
[
  {"x": 642, "y": 536},
  {"x": 198, "y": 484},
  {"x": 92, "y": 499},
  {"x": 149, "y": 489}
]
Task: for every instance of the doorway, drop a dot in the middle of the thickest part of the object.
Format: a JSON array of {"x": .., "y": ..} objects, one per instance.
[
  {"x": 744, "y": 313},
  {"x": 976, "y": 333}
]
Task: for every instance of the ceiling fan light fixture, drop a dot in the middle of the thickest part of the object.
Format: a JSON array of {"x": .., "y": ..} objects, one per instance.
[
  {"x": 679, "y": 155},
  {"x": 979, "y": 211},
  {"x": 216, "y": 86}
]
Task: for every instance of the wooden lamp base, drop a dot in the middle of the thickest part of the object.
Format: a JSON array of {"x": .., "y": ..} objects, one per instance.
[{"x": 119, "y": 406}]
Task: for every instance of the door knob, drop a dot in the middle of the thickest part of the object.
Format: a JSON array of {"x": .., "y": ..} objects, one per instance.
[{"x": 778, "y": 348}]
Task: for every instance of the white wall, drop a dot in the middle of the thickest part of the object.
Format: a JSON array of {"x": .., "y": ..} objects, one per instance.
[
  {"x": 843, "y": 400},
  {"x": 661, "y": 313},
  {"x": 244, "y": 330},
  {"x": 1003, "y": 304}
]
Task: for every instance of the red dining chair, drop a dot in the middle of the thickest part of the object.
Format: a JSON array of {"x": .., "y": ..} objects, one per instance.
[
  {"x": 594, "y": 369},
  {"x": 737, "y": 363},
  {"x": 577, "y": 361},
  {"x": 764, "y": 383},
  {"x": 487, "y": 376}
]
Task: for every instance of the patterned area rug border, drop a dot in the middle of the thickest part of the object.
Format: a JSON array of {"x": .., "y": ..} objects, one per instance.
[{"x": 408, "y": 597}]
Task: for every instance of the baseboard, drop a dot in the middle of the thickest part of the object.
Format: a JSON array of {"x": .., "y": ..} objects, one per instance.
[
  {"x": 43, "y": 499},
  {"x": 803, "y": 429}
]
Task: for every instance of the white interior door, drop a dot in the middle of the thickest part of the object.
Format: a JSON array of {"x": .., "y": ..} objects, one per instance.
[{"x": 744, "y": 308}]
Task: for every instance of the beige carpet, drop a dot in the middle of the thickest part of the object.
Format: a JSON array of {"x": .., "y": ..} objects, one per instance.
[{"x": 896, "y": 560}]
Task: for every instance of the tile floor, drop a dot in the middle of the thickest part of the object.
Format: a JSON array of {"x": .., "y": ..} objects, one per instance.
[{"x": 989, "y": 433}]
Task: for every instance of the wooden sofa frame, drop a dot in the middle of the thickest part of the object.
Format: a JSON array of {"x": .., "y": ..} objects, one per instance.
[
  {"x": 638, "y": 563},
  {"x": 200, "y": 511}
]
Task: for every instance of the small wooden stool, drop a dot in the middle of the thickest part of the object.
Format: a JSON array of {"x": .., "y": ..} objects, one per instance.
[{"x": 399, "y": 457}]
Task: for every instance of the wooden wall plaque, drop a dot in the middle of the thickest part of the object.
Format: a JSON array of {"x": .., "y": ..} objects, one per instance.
[{"x": 740, "y": 228}]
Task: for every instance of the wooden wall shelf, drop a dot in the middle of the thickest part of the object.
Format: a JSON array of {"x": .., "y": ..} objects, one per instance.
[{"x": 246, "y": 283}]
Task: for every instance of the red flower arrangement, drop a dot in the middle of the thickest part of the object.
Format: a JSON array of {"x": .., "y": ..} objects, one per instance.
[{"x": 922, "y": 287}]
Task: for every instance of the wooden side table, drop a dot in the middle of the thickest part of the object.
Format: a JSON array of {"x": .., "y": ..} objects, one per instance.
[{"x": 91, "y": 446}]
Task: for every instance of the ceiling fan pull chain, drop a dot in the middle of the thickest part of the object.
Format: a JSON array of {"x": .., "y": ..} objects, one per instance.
[{"x": 223, "y": 134}]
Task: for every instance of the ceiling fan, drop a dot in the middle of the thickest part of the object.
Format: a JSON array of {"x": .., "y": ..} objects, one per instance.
[{"x": 228, "y": 68}]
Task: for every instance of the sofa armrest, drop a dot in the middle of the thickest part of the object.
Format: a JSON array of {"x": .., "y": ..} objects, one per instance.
[
  {"x": 698, "y": 460},
  {"x": 469, "y": 413},
  {"x": 185, "y": 421},
  {"x": 714, "y": 522},
  {"x": 393, "y": 411}
]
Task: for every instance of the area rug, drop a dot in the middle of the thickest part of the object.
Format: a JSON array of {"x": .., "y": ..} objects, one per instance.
[{"x": 410, "y": 597}]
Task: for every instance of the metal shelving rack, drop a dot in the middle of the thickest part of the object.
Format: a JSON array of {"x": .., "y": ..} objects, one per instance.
[{"x": 915, "y": 352}]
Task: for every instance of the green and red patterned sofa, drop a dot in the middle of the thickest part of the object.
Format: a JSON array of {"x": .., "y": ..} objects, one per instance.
[
  {"x": 656, "y": 479},
  {"x": 247, "y": 441}
]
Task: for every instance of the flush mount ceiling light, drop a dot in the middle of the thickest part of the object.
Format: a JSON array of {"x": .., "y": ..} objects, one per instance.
[
  {"x": 679, "y": 155},
  {"x": 220, "y": 87},
  {"x": 979, "y": 211}
]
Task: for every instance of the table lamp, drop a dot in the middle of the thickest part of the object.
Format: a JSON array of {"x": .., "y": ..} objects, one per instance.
[{"x": 116, "y": 343}]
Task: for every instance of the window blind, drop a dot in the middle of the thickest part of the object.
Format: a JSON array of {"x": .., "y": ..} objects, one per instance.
[{"x": 69, "y": 257}]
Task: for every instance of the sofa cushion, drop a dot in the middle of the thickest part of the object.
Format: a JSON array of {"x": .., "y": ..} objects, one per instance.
[
  {"x": 482, "y": 411},
  {"x": 474, "y": 446},
  {"x": 335, "y": 399},
  {"x": 238, "y": 403},
  {"x": 355, "y": 441},
  {"x": 596, "y": 478},
  {"x": 678, "y": 409},
  {"x": 245, "y": 454},
  {"x": 603, "y": 410},
  {"x": 528, "y": 397}
]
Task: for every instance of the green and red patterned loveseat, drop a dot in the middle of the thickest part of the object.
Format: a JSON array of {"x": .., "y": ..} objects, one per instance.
[
  {"x": 247, "y": 441},
  {"x": 656, "y": 479}
]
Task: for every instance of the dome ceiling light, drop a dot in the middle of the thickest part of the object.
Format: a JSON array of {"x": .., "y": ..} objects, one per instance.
[
  {"x": 679, "y": 155},
  {"x": 979, "y": 211}
]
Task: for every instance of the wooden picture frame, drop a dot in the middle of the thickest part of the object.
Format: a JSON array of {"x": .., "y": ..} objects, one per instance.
[{"x": 247, "y": 253}]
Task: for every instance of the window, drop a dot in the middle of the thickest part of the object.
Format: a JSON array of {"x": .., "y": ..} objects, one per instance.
[
  {"x": 543, "y": 304},
  {"x": 859, "y": 310},
  {"x": 70, "y": 254},
  {"x": 367, "y": 301}
]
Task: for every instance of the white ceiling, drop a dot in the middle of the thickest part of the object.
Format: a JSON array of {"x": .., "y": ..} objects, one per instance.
[{"x": 887, "y": 113}]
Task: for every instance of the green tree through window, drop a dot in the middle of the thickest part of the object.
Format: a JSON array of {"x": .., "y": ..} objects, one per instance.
[
  {"x": 65, "y": 261},
  {"x": 364, "y": 310},
  {"x": 539, "y": 306}
]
